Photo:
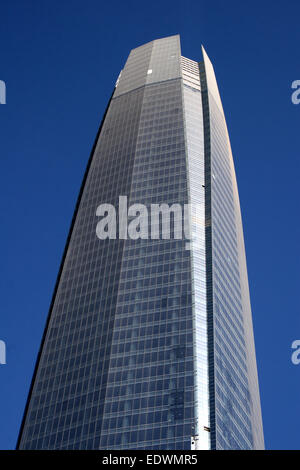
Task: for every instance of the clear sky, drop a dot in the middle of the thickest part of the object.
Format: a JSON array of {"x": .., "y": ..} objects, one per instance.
[{"x": 60, "y": 60}]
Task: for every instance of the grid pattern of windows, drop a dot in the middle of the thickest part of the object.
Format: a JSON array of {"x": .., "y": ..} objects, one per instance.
[
  {"x": 116, "y": 369},
  {"x": 235, "y": 408},
  {"x": 149, "y": 342},
  {"x": 67, "y": 401},
  {"x": 191, "y": 74},
  {"x": 149, "y": 401}
]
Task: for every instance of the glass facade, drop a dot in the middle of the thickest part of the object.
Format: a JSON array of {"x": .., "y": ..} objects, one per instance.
[{"x": 149, "y": 342}]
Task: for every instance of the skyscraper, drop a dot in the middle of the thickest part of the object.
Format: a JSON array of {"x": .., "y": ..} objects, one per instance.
[{"x": 149, "y": 339}]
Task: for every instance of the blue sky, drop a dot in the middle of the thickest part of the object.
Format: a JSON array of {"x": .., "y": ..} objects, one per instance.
[{"x": 59, "y": 60}]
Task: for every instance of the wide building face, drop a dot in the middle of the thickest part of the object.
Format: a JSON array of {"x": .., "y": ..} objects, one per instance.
[{"x": 149, "y": 340}]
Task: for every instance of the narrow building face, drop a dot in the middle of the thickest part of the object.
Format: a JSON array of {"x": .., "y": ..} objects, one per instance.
[{"x": 149, "y": 339}]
